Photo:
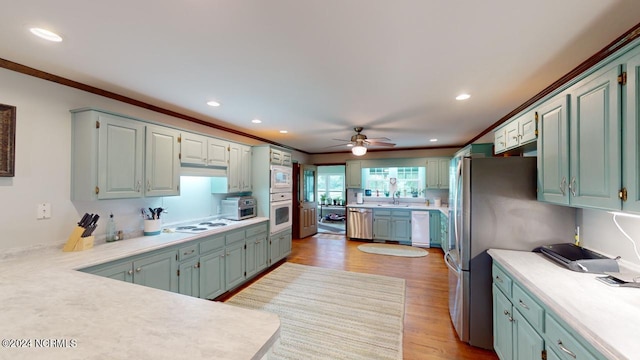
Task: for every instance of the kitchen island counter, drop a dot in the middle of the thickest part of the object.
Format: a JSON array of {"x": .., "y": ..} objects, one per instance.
[
  {"x": 401, "y": 206},
  {"x": 53, "y": 311},
  {"x": 607, "y": 317}
]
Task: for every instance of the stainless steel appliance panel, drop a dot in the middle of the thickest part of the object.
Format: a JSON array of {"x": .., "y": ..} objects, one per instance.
[
  {"x": 495, "y": 206},
  {"x": 458, "y": 298},
  {"x": 360, "y": 223}
]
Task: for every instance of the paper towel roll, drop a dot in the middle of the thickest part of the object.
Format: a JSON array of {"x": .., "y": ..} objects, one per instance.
[{"x": 359, "y": 199}]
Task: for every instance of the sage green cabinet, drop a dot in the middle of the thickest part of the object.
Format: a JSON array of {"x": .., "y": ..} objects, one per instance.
[
  {"x": 517, "y": 132},
  {"x": 524, "y": 329},
  {"x": 114, "y": 157},
  {"x": 234, "y": 262},
  {"x": 279, "y": 245},
  {"x": 631, "y": 147},
  {"x": 159, "y": 271},
  {"x": 256, "y": 249},
  {"x": 280, "y": 157},
  {"x": 553, "y": 150},
  {"x": 393, "y": 225},
  {"x": 353, "y": 174},
  {"x": 212, "y": 276},
  {"x": 435, "y": 236},
  {"x": 189, "y": 278},
  {"x": 200, "y": 150},
  {"x": 438, "y": 173}
]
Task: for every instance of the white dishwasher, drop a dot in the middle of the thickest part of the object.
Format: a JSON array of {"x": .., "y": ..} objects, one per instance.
[{"x": 420, "y": 233}]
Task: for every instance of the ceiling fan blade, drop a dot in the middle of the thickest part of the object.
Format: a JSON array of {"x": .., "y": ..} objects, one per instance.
[
  {"x": 380, "y": 143},
  {"x": 379, "y": 139},
  {"x": 343, "y": 140},
  {"x": 339, "y": 145}
]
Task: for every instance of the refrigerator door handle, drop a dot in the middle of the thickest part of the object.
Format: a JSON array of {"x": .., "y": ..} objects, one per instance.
[{"x": 448, "y": 262}]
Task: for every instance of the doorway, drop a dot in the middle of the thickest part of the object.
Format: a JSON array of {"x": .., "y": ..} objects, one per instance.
[{"x": 331, "y": 199}]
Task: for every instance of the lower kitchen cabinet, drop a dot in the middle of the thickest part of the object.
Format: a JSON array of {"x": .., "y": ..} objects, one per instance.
[
  {"x": 524, "y": 329},
  {"x": 211, "y": 278},
  {"x": 279, "y": 246},
  {"x": 394, "y": 225},
  {"x": 444, "y": 232},
  {"x": 435, "y": 239},
  {"x": 234, "y": 264},
  {"x": 158, "y": 271},
  {"x": 256, "y": 250}
]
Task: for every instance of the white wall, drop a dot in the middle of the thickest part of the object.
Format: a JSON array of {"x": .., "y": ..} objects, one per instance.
[
  {"x": 598, "y": 232},
  {"x": 43, "y": 145}
]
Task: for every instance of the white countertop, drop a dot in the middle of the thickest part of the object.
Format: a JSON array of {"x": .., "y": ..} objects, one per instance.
[
  {"x": 44, "y": 297},
  {"x": 401, "y": 206},
  {"x": 607, "y": 317}
]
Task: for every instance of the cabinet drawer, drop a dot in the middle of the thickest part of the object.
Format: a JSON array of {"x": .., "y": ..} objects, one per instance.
[
  {"x": 187, "y": 252},
  {"x": 530, "y": 309},
  {"x": 381, "y": 212},
  {"x": 212, "y": 243},
  {"x": 400, "y": 213},
  {"x": 563, "y": 344},
  {"x": 256, "y": 230},
  {"x": 502, "y": 280},
  {"x": 235, "y": 236}
]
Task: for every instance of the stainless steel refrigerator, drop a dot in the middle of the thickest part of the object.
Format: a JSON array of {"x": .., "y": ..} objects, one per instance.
[{"x": 493, "y": 205}]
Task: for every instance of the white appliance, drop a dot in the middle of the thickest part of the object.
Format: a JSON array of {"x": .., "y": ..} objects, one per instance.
[
  {"x": 280, "y": 212},
  {"x": 420, "y": 232},
  {"x": 202, "y": 226},
  {"x": 239, "y": 208},
  {"x": 493, "y": 205},
  {"x": 281, "y": 179}
]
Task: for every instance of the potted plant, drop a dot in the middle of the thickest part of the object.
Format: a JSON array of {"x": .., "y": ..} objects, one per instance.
[
  {"x": 414, "y": 192},
  {"x": 337, "y": 201},
  {"x": 323, "y": 199}
]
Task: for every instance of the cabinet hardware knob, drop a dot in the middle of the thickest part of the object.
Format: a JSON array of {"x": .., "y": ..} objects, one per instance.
[
  {"x": 508, "y": 315},
  {"x": 130, "y": 272},
  {"x": 498, "y": 279},
  {"x": 565, "y": 350},
  {"x": 572, "y": 186},
  {"x": 138, "y": 269},
  {"x": 148, "y": 184},
  {"x": 190, "y": 252},
  {"x": 563, "y": 184}
]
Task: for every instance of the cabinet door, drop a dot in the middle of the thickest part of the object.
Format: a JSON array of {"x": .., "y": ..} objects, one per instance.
[
  {"x": 212, "y": 278},
  {"x": 234, "y": 172},
  {"x": 553, "y": 151},
  {"x": 193, "y": 149},
  {"x": 528, "y": 345},
  {"x": 502, "y": 325},
  {"x": 275, "y": 157},
  {"x": 434, "y": 229},
  {"x": 120, "y": 153},
  {"x": 382, "y": 227},
  {"x": 234, "y": 265},
  {"x": 286, "y": 159},
  {"x": 512, "y": 136},
  {"x": 162, "y": 164},
  {"x": 261, "y": 252},
  {"x": 433, "y": 173},
  {"x": 217, "y": 154},
  {"x": 120, "y": 271},
  {"x": 595, "y": 141},
  {"x": 527, "y": 127},
  {"x": 275, "y": 253},
  {"x": 245, "y": 168},
  {"x": 443, "y": 173},
  {"x": 631, "y": 148},
  {"x": 189, "y": 278},
  {"x": 401, "y": 226},
  {"x": 285, "y": 243},
  {"x": 157, "y": 271},
  {"x": 499, "y": 141},
  {"x": 353, "y": 174},
  {"x": 250, "y": 254}
]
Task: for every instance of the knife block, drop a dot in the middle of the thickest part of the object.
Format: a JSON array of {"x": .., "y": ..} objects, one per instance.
[{"x": 76, "y": 242}]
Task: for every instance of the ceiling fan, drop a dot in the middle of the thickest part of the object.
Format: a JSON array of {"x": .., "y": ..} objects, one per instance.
[{"x": 359, "y": 142}]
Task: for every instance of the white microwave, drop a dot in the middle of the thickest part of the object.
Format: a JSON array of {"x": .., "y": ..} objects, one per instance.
[{"x": 281, "y": 179}]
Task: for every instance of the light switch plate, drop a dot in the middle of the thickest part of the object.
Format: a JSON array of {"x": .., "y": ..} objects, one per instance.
[{"x": 43, "y": 211}]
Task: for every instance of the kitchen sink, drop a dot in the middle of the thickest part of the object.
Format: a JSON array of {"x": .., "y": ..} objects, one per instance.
[
  {"x": 393, "y": 205},
  {"x": 577, "y": 258}
]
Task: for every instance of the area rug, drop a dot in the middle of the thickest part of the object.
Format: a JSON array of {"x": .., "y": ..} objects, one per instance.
[
  {"x": 330, "y": 314},
  {"x": 393, "y": 250}
]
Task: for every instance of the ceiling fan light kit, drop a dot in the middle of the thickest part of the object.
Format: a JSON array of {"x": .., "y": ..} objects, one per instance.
[
  {"x": 359, "y": 150},
  {"x": 359, "y": 142}
]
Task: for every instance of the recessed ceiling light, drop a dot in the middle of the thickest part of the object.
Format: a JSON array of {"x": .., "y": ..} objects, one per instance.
[
  {"x": 433, "y": 140},
  {"x": 463, "y": 97},
  {"x": 213, "y": 103},
  {"x": 46, "y": 34},
  {"x": 283, "y": 131},
  {"x": 256, "y": 121}
]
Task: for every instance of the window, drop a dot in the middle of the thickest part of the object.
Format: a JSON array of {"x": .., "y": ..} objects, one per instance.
[
  {"x": 331, "y": 182},
  {"x": 409, "y": 180}
]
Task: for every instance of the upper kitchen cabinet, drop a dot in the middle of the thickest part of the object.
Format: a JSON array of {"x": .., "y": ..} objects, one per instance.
[
  {"x": 517, "y": 132},
  {"x": 438, "y": 173},
  {"x": 631, "y": 149},
  {"x": 239, "y": 168},
  {"x": 553, "y": 150},
  {"x": 280, "y": 157},
  {"x": 200, "y": 150},
  {"x": 353, "y": 174},
  {"x": 114, "y": 157}
]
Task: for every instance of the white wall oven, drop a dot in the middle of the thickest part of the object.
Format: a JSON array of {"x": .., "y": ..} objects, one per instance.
[
  {"x": 281, "y": 179},
  {"x": 280, "y": 214}
]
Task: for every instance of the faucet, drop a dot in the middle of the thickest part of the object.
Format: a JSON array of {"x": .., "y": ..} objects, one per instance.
[{"x": 396, "y": 201}]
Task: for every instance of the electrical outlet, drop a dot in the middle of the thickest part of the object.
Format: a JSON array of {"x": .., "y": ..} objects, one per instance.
[{"x": 43, "y": 211}]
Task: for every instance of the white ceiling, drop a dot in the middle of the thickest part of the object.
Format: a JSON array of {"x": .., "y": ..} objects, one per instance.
[{"x": 319, "y": 68}]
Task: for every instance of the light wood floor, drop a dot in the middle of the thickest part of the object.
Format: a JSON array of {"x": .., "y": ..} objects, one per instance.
[{"x": 428, "y": 332}]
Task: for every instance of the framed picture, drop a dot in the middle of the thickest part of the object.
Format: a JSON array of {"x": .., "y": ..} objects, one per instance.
[{"x": 7, "y": 140}]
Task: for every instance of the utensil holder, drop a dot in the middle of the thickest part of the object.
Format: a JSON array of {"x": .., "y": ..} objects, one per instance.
[{"x": 152, "y": 227}]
